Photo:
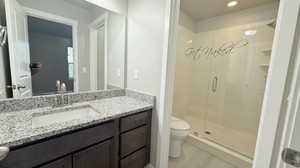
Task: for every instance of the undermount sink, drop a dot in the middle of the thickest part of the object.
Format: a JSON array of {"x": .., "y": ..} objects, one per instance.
[{"x": 60, "y": 115}]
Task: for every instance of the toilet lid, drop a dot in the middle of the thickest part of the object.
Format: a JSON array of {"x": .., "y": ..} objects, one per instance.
[{"x": 179, "y": 125}]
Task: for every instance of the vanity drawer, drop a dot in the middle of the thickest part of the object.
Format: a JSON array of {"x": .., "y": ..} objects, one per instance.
[
  {"x": 39, "y": 153},
  {"x": 133, "y": 140},
  {"x": 65, "y": 162},
  {"x": 133, "y": 121},
  {"x": 135, "y": 160}
]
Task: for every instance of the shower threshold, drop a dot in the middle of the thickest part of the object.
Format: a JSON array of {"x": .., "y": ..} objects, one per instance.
[{"x": 220, "y": 151}]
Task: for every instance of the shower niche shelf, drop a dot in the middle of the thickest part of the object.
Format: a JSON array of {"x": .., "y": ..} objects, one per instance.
[
  {"x": 264, "y": 65},
  {"x": 267, "y": 51}
]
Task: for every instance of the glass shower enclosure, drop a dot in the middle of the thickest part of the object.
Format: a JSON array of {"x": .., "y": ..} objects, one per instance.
[{"x": 224, "y": 72}]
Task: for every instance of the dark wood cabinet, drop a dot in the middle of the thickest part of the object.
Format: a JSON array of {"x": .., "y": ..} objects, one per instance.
[
  {"x": 65, "y": 162},
  {"x": 97, "y": 156},
  {"x": 136, "y": 160},
  {"x": 119, "y": 143},
  {"x": 133, "y": 140},
  {"x": 134, "y": 121}
]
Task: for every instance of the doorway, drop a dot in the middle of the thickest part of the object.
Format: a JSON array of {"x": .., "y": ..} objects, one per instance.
[
  {"x": 50, "y": 31},
  {"x": 51, "y": 55},
  {"x": 98, "y": 53},
  {"x": 275, "y": 97}
]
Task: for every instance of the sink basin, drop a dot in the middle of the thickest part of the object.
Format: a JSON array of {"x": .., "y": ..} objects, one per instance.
[{"x": 61, "y": 115}]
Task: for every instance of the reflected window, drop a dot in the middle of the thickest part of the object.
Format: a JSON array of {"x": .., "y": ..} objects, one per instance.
[{"x": 70, "y": 62}]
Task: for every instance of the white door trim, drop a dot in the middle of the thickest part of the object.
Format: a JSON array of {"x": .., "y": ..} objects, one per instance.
[
  {"x": 293, "y": 107},
  {"x": 274, "y": 94},
  {"x": 63, "y": 20},
  {"x": 293, "y": 99},
  {"x": 93, "y": 28},
  {"x": 12, "y": 7},
  {"x": 167, "y": 81}
]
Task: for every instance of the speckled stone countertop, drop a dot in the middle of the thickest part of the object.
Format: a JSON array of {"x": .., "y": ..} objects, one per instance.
[{"x": 22, "y": 127}]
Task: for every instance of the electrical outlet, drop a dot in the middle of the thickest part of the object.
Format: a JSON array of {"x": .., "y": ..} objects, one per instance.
[{"x": 118, "y": 72}]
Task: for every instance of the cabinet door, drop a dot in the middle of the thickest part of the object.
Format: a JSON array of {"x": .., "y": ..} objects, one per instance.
[
  {"x": 135, "y": 160},
  {"x": 98, "y": 156},
  {"x": 133, "y": 140},
  {"x": 65, "y": 162}
]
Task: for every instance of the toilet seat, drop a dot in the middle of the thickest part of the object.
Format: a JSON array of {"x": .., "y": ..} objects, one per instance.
[{"x": 180, "y": 125}]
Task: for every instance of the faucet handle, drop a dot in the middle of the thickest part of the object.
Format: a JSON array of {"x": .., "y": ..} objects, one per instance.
[
  {"x": 63, "y": 88},
  {"x": 3, "y": 152},
  {"x": 58, "y": 85}
]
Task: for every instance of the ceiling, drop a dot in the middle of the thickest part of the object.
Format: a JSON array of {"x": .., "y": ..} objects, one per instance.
[
  {"x": 86, "y": 5},
  {"x": 204, "y": 9}
]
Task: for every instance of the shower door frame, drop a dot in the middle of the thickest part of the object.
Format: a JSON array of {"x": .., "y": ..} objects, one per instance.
[{"x": 275, "y": 87}]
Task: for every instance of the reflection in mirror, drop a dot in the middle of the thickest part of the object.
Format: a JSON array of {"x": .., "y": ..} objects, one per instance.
[{"x": 59, "y": 45}]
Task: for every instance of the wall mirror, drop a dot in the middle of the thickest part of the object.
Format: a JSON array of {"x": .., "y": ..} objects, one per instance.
[{"x": 60, "y": 42}]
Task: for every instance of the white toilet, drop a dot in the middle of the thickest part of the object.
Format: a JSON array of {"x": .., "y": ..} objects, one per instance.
[{"x": 179, "y": 131}]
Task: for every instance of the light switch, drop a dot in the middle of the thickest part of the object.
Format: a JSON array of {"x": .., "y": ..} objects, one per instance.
[
  {"x": 136, "y": 74},
  {"x": 119, "y": 72},
  {"x": 84, "y": 70}
]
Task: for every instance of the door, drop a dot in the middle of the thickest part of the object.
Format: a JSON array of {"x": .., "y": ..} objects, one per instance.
[
  {"x": 65, "y": 162},
  {"x": 280, "y": 119},
  {"x": 289, "y": 153},
  {"x": 18, "y": 49},
  {"x": 237, "y": 85},
  {"x": 100, "y": 58},
  {"x": 97, "y": 156}
]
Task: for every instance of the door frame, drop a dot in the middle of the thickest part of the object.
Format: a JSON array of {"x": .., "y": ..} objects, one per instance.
[
  {"x": 275, "y": 87},
  {"x": 291, "y": 109},
  {"x": 93, "y": 30},
  {"x": 282, "y": 52},
  {"x": 67, "y": 21}
]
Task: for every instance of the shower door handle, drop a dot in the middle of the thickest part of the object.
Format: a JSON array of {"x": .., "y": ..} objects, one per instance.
[{"x": 215, "y": 84}]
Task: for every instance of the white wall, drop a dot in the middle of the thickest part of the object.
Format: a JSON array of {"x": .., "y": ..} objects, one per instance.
[
  {"x": 146, "y": 39},
  {"x": 116, "y": 39},
  {"x": 183, "y": 73},
  {"x": 261, "y": 13},
  {"x": 187, "y": 21}
]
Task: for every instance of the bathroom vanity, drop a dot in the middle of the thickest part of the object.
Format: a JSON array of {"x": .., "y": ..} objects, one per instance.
[
  {"x": 108, "y": 133},
  {"x": 63, "y": 103}
]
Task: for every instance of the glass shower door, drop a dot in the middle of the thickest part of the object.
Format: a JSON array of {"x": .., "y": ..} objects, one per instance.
[{"x": 237, "y": 85}]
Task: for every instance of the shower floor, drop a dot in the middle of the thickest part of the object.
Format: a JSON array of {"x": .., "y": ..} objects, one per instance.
[
  {"x": 194, "y": 157},
  {"x": 238, "y": 141}
]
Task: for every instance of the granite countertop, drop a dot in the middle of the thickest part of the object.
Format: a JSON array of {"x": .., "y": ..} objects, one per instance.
[{"x": 22, "y": 127}]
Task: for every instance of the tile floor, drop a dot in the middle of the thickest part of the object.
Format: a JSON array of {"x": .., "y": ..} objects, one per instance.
[{"x": 193, "y": 157}]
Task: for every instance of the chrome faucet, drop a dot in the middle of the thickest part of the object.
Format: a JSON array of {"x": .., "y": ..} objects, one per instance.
[{"x": 61, "y": 100}]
